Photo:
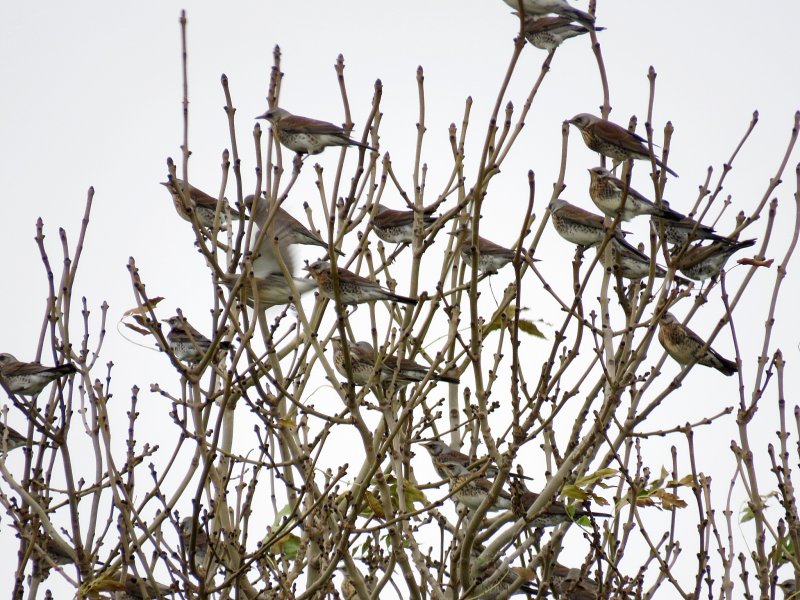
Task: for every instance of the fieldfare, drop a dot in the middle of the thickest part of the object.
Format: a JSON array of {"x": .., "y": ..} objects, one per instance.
[
  {"x": 397, "y": 226},
  {"x": 188, "y": 344},
  {"x": 138, "y": 588},
  {"x": 49, "y": 554},
  {"x": 442, "y": 453},
  {"x": 578, "y": 226},
  {"x": 685, "y": 346},
  {"x": 491, "y": 257},
  {"x": 702, "y": 262},
  {"x": 307, "y": 136},
  {"x": 353, "y": 289},
  {"x": 204, "y": 205},
  {"x": 200, "y": 539},
  {"x": 789, "y": 589},
  {"x": 485, "y": 591},
  {"x": 28, "y": 379},
  {"x": 569, "y": 583},
  {"x": 553, "y": 514},
  {"x": 470, "y": 489},
  {"x": 400, "y": 371},
  {"x": 284, "y": 226},
  {"x": 547, "y": 33},
  {"x": 630, "y": 262},
  {"x": 271, "y": 289},
  {"x": 11, "y": 439},
  {"x": 542, "y": 8},
  {"x": 613, "y": 141},
  {"x": 680, "y": 232},
  {"x": 606, "y": 192}
]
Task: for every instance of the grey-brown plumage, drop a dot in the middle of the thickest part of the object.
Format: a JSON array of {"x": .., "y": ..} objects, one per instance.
[
  {"x": 397, "y": 226},
  {"x": 613, "y": 141},
  {"x": 200, "y": 540},
  {"x": 554, "y": 513},
  {"x": 204, "y": 205},
  {"x": 47, "y": 555},
  {"x": 569, "y": 583},
  {"x": 686, "y": 347},
  {"x": 271, "y": 289},
  {"x": 703, "y": 262},
  {"x": 28, "y": 379},
  {"x": 542, "y": 8},
  {"x": 304, "y": 135},
  {"x": 188, "y": 344},
  {"x": 789, "y": 589},
  {"x": 10, "y": 438},
  {"x": 548, "y": 33},
  {"x": 140, "y": 588},
  {"x": 471, "y": 490},
  {"x": 577, "y": 225},
  {"x": 678, "y": 233},
  {"x": 491, "y": 256},
  {"x": 362, "y": 361},
  {"x": 353, "y": 289},
  {"x": 491, "y": 591},
  {"x": 630, "y": 262},
  {"x": 607, "y": 191},
  {"x": 441, "y": 453}
]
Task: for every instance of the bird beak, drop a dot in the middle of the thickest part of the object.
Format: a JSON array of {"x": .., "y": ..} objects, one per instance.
[{"x": 264, "y": 116}]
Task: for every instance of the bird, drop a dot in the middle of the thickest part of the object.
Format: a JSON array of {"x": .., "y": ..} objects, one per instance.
[
  {"x": 630, "y": 262},
  {"x": 607, "y": 191},
  {"x": 577, "y": 225},
  {"x": 442, "y": 453},
  {"x": 569, "y": 583},
  {"x": 703, "y": 262},
  {"x": 307, "y": 136},
  {"x": 553, "y": 513},
  {"x": 139, "y": 588},
  {"x": 285, "y": 227},
  {"x": 542, "y": 8},
  {"x": 188, "y": 344},
  {"x": 49, "y": 554},
  {"x": 491, "y": 257},
  {"x": 203, "y": 205},
  {"x": 486, "y": 591},
  {"x": 271, "y": 289},
  {"x": 789, "y": 589},
  {"x": 353, "y": 289},
  {"x": 547, "y": 33},
  {"x": 686, "y": 347},
  {"x": 613, "y": 141},
  {"x": 470, "y": 489},
  {"x": 391, "y": 369},
  {"x": 397, "y": 226},
  {"x": 28, "y": 379},
  {"x": 200, "y": 541},
  {"x": 680, "y": 232},
  {"x": 11, "y": 439}
]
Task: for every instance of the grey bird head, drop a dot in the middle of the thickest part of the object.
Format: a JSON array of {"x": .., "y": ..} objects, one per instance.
[
  {"x": 583, "y": 120},
  {"x": 436, "y": 447},
  {"x": 668, "y": 318},
  {"x": 274, "y": 114}
]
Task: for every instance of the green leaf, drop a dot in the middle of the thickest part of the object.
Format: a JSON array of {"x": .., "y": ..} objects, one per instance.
[
  {"x": 574, "y": 492},
  {"x": 597, "y": 476},
  {"x": 530, "y": 328}
]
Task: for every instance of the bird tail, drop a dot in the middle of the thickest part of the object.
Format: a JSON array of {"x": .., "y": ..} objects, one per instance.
[
  {"x": 666, "y": 168},
  {"x": 446, "y": 378},
  {"x": 725, "y": 366},
  {"x": 667, "y": 213},
  {"x": 404, "y": 300},
  {"x": 65, "y": 369},
  {"x": 582, "y": 17},
  {"x": 362, "y": 145}
]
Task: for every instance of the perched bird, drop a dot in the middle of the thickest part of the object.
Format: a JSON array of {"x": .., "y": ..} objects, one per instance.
[
  {"x": 613, "y": 141},
  {"x": 49, "y": 554},
  {"x": 491, "y": 257},
  {"x": 271, "y": 290},
  {"x": 686, "y": 347},
  {"x": 606, "y": 192},
  {"x": 141, "y": 588},
  {"x": 630, "y": 262},
  {"x": 578, "y": 226},
  {"x": 442, "y": 453},
  {"x": 200, "y": 541},
  {"x": 28, "y": 379},
  {"x": 679, "y": 232},
  {"x": 204, "y": 205},
  {"x": 569, "y": 583},
  {"x": 397, "y": 226},
  {"x": 285, "y": 227},
  {"x": 471, "y": 490},
  {"x": 353, "y": 289},
  {"x": 547, "y": 33},
  {"x": 307, "y": 136},
  {"x": 188, "y": 344},
  {"x": 486, "y": 591},
  {"x": 789, "y": 589},
  {"x": 702, "y": 262},
  {"x": 542, "y": 8},
  {"x": 391, "y": 369},
  {"x": 554, "y": 513},
  {"x": 11, "y": 439}
]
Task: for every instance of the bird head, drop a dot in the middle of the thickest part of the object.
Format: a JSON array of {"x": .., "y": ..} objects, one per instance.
[
  {"x": 274, "y": 115},
  {"x": 599, "y": 173},
  {"x": 583, "y": 120},
  {"x": 435, "y": 447},
  {"x": 6, "y": 358}
]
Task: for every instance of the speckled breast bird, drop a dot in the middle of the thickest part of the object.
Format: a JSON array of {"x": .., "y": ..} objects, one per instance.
[
  {"x": 188, "y": 344},
  {"x": 284, "y": 226},
  {"x": 204, "y": 205},
  {"x": 576, "y": 225},
  {"x": 685, "y": 346},
  {"x": 630, "y": 262},
  {"x": 613, "y": 141},
  {"x": 10, "y": 438},
  {"x": 554, "y": 513},
  {"x": 140, "y": 588},
  {"x": 548, "y": 33},
  {"x": 568, "y": 583},
  {"x": 542, "y": 8},
  {"x": 470, "y": 490},
  {"x": 678, "y": 233},
  {"x": 606, "y": 191},
  {"x": 28, "y": 379},
  {"x": 47, "y": 556},
  {"x": 703, "y": 262},
  {"x": 353, "y": 289},
  {"x": 491, "y": 257},
  {"x": 200, "y": 540},
  {"x": 441, "y": 453},
  {"x": 397, "y": 226},
  {"x": 362, "y": 361},
  {"x": 307, "y": 136},
  {"x": 486, "y": 591}
]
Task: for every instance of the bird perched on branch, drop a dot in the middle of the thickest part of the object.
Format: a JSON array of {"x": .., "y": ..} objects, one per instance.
[
  {"x": 442, "y": 453},
  {"x": 631, "y": 263},
  {"x": 491, "y": 257},
  {"x": 470, "y": 489},
  {"x": 204, "y": 205},
  {"x": 397, "y": 226},
  {"x": 607, "y": 193},
  {"x": 272, "y": 289},
  {"x": 548, "y": 33},
  {"x": 613, "y": 141},
  {"x": 491, "y": 591},
  {"x": 703, "y": 262},
  {"x": 578, "y": 226},
  {"x": 552, "y": 514},
  {"x": 570, "y": 583},
  {"x": 188, "y": 344},
  {"x": 686, "y": 347},
  {"x": 680, "y": 232},
  {"x": 307, "y": 136},
  {"x": 353, "y": 289},
  {"x": 28, "y": 379},
  {"x": 542, "y": 8},
  {"x": 10, "y": 438},
  {"x": 200, "y": 541}
]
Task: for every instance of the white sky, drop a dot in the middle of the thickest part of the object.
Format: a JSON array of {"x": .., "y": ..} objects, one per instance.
[{"x": 92, "y": 97}]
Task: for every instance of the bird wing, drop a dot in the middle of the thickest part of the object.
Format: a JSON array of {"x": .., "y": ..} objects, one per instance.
[
  {"x": 295, "y": 124},
  {"x": 619, "y": 135}
]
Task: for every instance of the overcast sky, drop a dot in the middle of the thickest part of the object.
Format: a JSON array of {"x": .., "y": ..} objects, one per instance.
[{"x": 92, "y": 97}]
